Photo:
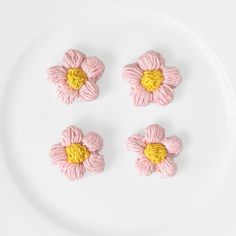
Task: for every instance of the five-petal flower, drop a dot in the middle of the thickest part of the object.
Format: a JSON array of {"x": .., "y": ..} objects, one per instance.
[
  {"x": 77, "y": 77},
  {"x": 77, "y": 153},
  {"x": 156, "y": 152},
  {"x": 151, "y": 80}
]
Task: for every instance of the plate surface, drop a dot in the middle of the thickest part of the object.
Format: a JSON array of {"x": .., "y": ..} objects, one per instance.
[{"x": 118, "y": 201}]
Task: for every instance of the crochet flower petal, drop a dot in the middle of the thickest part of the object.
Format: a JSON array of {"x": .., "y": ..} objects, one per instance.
[
  {"x": 136, "y": 143},
  {"x": 132, "y": 73},
  {"x": 141, "y": 97},
  {"x": 161, "y": 59},
  {"x": 164, "y": 95},
  {"x": 150, "y": 60},
  {"x": 93, "y": 141},
  {"x": 73, "y": 171},
  {"x": 66, "y": 94},
  {"x": 89, "y": 91},
  {"x": 93, "y": 67},
  {"x": 154, "y": 133},
  {"x": 57, "y": 154},
  {"x": 167, "y": 167},
  {"x": 73, "y": 58},
  {"x": 70, "y": 135},
  {"x": 172, "y": 76},
  {"x": 95, "y": 163},
  {"x": 56, "y": 74},
  {"x": 144, "y": 166},
  {"x": 173, "y": 144}
]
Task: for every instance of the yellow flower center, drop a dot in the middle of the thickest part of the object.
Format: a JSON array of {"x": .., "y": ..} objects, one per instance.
[
  {"x": 155, "y": 152},
  {"x": 76, "y": 78},
  {"x": 152, "y": 79},
  {"x": 76, "y": 153}
]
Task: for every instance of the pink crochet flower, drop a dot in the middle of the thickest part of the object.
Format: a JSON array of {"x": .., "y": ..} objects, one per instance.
[
  {"x": 155, "y": 152},
  {"x": 151, "y": 80},
  {"x": 77, "y": 153},
  {"x": 77, "y": 77}
]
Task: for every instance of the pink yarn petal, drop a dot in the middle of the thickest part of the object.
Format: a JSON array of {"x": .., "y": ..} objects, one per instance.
[
  {"x": 70, "y": 135},
  {"x": 73, "y": 58},
  {"x": 66, "y": 94},
  {"x": 167, "y": 167},
  {"x": 136, "y": 143},
  {"x": 95, "y": 163},
  {"x": 154, "y": 133},
  {"x": 73, "y": 171},
  {"x": 62, "y": 164},
  {"x": 164, "y": 95},
  {"x": 161, "y": 59},
  {"x": 173, "y": 144},
  {"x": 172, "y": 76},
  {"x": 144, "y": 166},
  {"x": 93, "y": 141},
  {"x": 89, "y": 91},
  {"x": 150, "y": 60},
  {"x": 93, "y": 67},
  {"x": 57, "y": 154},
  {"x": 56, "y": 74},
  {"x": 141, "y": 97},
  {"x": 132, "y": 73}
]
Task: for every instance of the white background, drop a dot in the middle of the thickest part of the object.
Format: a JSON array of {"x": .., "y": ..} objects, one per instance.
[{"x": 22, "y": 21}]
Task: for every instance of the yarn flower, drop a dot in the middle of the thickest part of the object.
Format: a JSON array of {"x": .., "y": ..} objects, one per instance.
[
  {"x": 151, "y": 80},
  {"x": 156, "y": 153},
  {"x": 77, "y": 153},
  {"x": 77, "y": 77}
]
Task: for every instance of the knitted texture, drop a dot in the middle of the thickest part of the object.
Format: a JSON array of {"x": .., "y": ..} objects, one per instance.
[
  {"x": 155, "y": 152},
  {"x": 77, "y": 153},
  {"x": 151, "y": 80},
  {"x": 77, "y": 77}
]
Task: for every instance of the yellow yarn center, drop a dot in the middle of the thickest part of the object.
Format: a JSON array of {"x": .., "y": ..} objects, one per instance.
[
  {"x": 152, "y": 80},
  {"x": 76, "y": 78},
  {"x": 155, "y": 152},
  {"x": 76, "y": 153}
]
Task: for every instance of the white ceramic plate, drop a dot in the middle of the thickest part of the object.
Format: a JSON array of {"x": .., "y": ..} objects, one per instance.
[{"x": 118, "y": 201}]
